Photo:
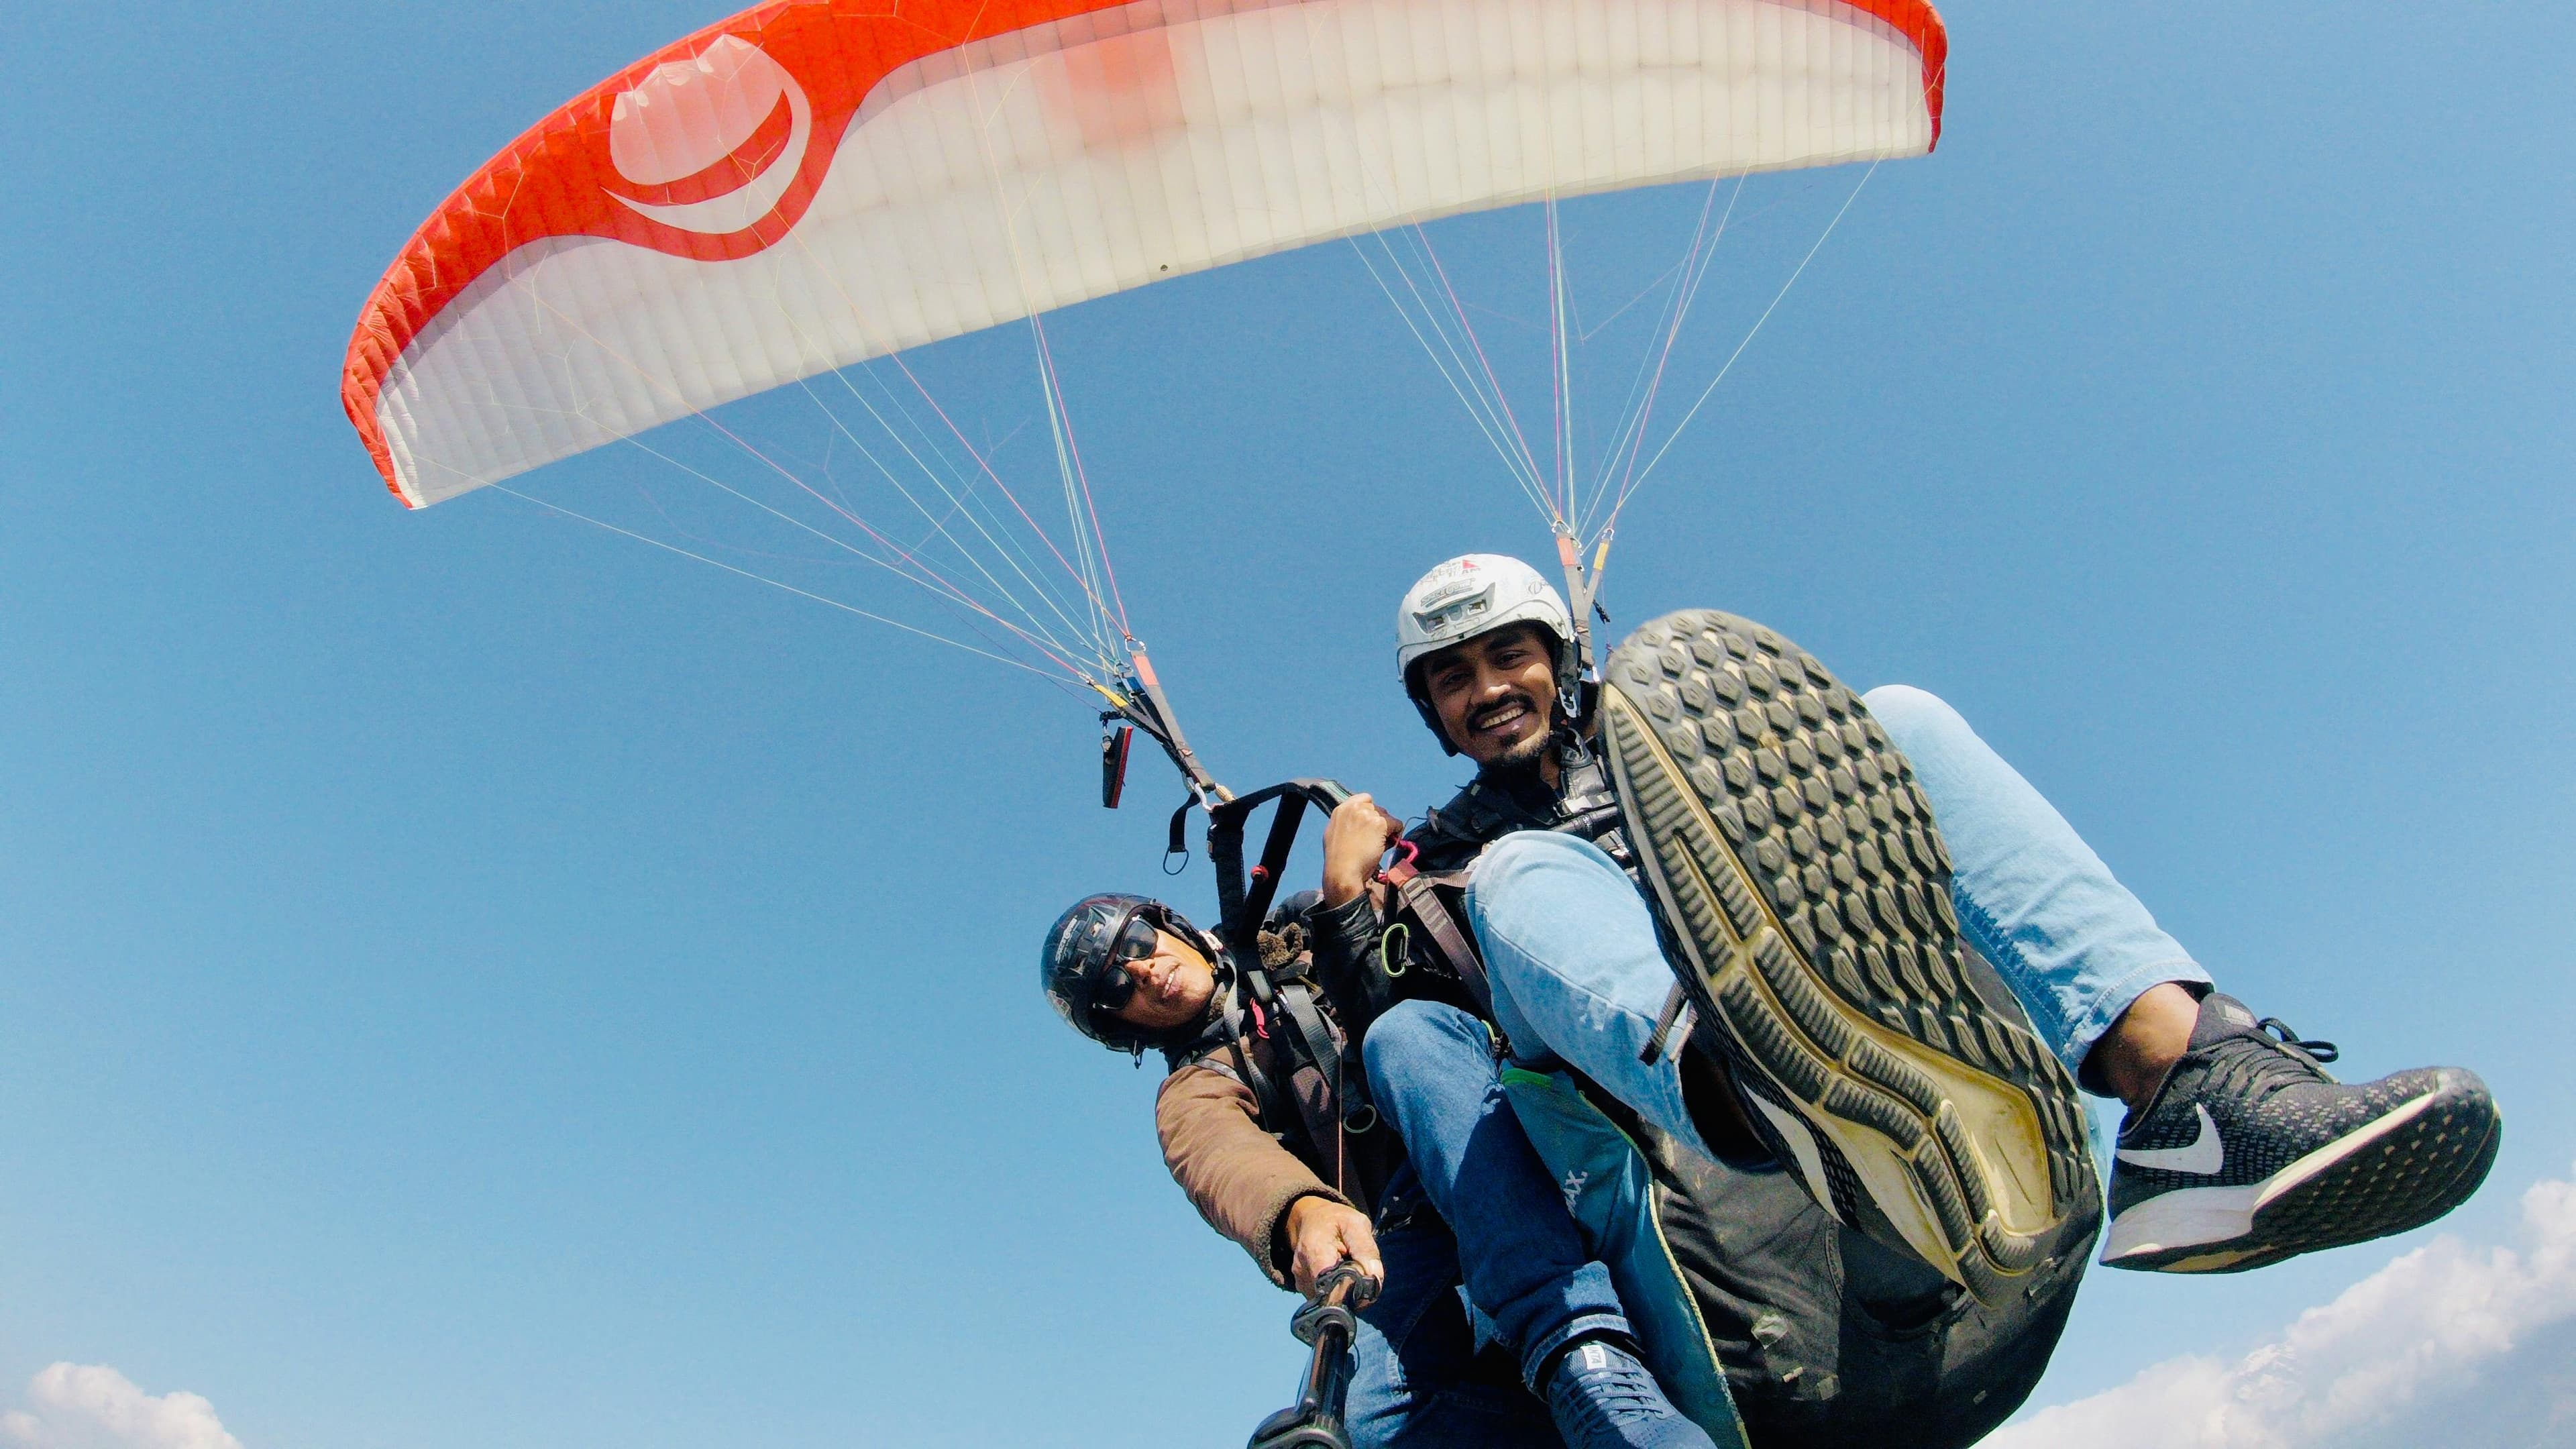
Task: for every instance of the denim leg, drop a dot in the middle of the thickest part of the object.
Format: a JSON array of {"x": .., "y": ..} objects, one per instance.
[
  {"x": 1577, "y": 971},
  {"x": 2033, "y": 898},
  {"x": 1390, "y": 1409},
  {"x": 1424, "y": 1374},
  {"x": 1431, "y": 1070}
]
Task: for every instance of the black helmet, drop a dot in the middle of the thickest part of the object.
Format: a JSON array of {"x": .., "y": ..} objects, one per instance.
[{"x": 1080, "y": 967}]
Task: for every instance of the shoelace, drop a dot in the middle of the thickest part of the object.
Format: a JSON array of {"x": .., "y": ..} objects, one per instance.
[
  {"x": 2256, "y": 1074},
  {"x": 2320, "y": 1052},
  {"x": 1618, "y": 1390}
]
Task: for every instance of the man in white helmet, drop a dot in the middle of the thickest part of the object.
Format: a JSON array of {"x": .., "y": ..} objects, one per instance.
[{"x": 1813, "y": 913}]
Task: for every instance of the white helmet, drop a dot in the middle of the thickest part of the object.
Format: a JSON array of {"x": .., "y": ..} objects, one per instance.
[{"x": 1470, "y": 595}]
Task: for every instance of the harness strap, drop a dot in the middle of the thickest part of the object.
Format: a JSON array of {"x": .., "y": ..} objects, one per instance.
[
  {"x": 1264, "y": 884},
  {"x": 1179, "y": 841},
  {"x": 1225, "y": 857},
  {"x": 1418, "y": 895},
  {"x": 1676, "y": 1002},
  {"x": 1326, "y": 1103},
  {"x": 1241, "y": 904},
  {"x": 1297, "y": 1003},
  {"x": 1315, "y": 1045},
  {"x": 1264, "y": 1099}
]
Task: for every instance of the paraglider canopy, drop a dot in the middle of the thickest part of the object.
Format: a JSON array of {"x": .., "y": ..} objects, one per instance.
[{"x": 812, "y": 184}]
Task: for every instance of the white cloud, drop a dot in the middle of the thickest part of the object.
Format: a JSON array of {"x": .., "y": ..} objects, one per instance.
[
  {"x": 92, "y": 1406},
  {"x": 2403, "y": 1342}
]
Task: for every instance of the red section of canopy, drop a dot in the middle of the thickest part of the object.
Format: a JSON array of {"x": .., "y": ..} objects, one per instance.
[{"x": 557, "y": 179}]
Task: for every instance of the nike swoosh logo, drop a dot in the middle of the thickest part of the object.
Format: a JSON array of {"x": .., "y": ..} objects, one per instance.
[{"x": 2205, "y": 1156}]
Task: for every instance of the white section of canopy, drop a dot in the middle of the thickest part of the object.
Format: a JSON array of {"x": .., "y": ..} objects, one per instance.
[{"x": 1081, "y": 158}]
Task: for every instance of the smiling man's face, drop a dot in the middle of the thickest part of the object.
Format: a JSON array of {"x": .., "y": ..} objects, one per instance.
[{"x": 1495, "y": 694}]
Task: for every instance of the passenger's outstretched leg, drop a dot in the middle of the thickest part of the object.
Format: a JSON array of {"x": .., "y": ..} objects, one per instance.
[
  {"x": 2238, "y": 1149},
  {"x": 1808, "y": 901},
  {"x": 2075, "y": 946},
  {"x": 1578, "y": 974},
  {"x": 1432, "y": 1073}
]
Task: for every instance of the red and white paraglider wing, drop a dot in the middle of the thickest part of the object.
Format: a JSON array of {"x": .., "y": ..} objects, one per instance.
[{"x": 809, "y": 184}]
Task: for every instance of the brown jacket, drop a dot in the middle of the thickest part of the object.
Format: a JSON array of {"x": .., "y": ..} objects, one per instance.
[{"x": 1238, "y": 1176}]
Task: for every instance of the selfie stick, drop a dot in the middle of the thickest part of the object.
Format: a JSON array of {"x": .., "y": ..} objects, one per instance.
[{"x": 1330, "y": 1324}]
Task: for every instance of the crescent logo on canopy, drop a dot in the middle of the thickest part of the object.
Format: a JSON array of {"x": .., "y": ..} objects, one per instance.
[{"x": 710, "y": 145}]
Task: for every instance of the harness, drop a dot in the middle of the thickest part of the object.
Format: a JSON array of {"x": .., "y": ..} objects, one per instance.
[
  {"x": 1425, "y": 904},
  {"x": 1324, "y": 1097},
  {"x": 1315, "y": 1093},
  {"x": 1585, "y": 805},
  {"x": 1429, "y": 901},
  {"x": 1611, "y": 1187}
]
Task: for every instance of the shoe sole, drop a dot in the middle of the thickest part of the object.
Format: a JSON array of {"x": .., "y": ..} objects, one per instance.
[
  {"x": 1806, "y": 885},
  {"x": 2403, "y": 1170}
]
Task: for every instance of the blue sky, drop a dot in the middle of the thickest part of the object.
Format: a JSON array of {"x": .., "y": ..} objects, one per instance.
[{"x": 466, "y": 978}]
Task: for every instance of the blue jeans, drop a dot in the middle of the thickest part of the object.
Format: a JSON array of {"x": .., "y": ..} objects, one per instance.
[
  {"x": 1577, "y": 973},
  {"x": 2032, "y": 897},
  {"x": 1423, "y": 1377},
  {"x": 1426, "y": 1372},
  {"x": 1579, "y": 976}
]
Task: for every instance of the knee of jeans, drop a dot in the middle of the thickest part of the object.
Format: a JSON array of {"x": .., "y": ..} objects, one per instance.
[
  {"x": 1411, "y": 1034},
  {"x": 1508, "y": 864},
  {"x": 1526, "y": 877},
  {"x": 1917, "y": 719},
  {"x": 1523, "y": 849}
]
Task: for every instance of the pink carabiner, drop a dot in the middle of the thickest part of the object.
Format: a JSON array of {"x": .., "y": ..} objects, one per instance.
[{"x": 1406, "y": 854}]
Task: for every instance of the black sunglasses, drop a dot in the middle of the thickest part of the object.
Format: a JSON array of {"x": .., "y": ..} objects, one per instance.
[{"x": 1133, "y": 939}]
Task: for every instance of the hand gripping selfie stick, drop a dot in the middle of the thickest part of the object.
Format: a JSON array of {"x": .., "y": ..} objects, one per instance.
[{"x": 1330, "y": 1324}]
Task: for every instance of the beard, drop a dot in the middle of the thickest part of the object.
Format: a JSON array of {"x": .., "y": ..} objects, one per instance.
[{"x": 1523, "y": 758}]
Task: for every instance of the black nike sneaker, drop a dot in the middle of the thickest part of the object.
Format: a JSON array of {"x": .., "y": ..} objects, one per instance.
[
  {"x": 1807, "y": 895},
  {"x": 2250, "y": 1153}
]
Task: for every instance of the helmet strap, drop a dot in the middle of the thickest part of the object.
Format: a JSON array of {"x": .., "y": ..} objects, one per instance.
[{"x": 1570, "y": 752}]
